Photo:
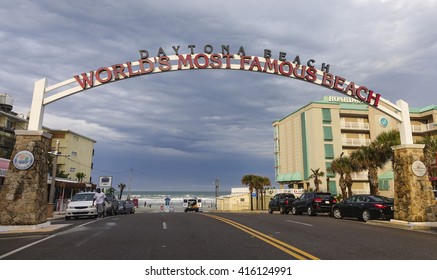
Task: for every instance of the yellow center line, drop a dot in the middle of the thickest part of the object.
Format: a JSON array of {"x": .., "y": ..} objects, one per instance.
[{"x": 287, "y": 248}]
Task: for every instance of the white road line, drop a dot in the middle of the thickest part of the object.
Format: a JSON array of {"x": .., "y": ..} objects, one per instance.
[
  {"x": 309, "y": 225},
  {"x": 25, "y": 247},
  {"x": 164, "y": 225}
]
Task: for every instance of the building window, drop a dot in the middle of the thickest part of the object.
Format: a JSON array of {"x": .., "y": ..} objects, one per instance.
[
  {"x": 74, "y": 154},
  {"x": 72, "y": 169},
  {"x": 329, "y": 151},
  {"x": 326, "y": 113},
  {"x": 333, "y": 187},
  {"x": 383, "y": 185},
  {"x": 327, "y": 133},
  {"x": 329, "y": 174}
]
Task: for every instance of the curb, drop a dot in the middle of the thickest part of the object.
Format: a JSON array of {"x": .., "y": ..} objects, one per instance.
[{"x": 405, "y": 225}]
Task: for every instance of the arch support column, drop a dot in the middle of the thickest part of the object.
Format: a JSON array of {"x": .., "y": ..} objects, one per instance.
[
  {"x": 23, "y": 197},
  {"x": 413, "y": 195}
]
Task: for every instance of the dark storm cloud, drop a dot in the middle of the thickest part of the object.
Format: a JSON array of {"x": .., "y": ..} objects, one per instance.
[{"x": 193, "y": 126}]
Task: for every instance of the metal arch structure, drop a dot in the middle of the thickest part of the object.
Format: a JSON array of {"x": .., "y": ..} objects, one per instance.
[{"x": 43, "y": 95}]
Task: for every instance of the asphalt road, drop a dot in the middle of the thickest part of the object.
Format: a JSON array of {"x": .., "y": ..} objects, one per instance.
[{"x": 221, "y": 236}]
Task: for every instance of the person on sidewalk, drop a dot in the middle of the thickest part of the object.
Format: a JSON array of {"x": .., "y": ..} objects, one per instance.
[{"x": 99, "y": 199}]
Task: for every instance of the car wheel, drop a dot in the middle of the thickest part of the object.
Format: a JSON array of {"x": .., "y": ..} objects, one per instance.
[
  {"x": 310, "y": 211},
  {"x": 294, "y": 211},
  {"x": 337, "y": 214},
  {"x": 270, "y": 210},
  {"x": 365, "y": 215}
]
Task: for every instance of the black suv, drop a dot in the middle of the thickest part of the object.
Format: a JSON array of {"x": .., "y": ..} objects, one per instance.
[
  {"x": 281, "y": 202},
  {"x": 111, "y": 208},
  {"x": 313, "y": 203}
]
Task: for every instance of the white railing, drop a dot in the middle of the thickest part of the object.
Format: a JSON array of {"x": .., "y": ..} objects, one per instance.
[
  {"x": 355, "y": 142},
  {"x": 424, "y": 127},
  {"x": 354, "y": 125},
  {"x": 359, "y": 175}
]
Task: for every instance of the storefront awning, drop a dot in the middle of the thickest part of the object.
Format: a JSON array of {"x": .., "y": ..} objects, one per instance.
[
  {"x": 387, "y": 176},
  {"x": 70, "y": 184},
  {"x": 289, "y": 177}
]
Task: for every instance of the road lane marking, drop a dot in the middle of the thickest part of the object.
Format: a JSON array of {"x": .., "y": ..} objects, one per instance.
[
  {"x": 287, "y": 248},
  {"x": 164, "y": 225},
  {"x": 290, "y": 221},
  {"x": 27, "y": 246}
]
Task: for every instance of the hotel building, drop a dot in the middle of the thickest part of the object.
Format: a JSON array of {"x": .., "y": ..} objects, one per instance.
[{"x": 312, "y": 136}]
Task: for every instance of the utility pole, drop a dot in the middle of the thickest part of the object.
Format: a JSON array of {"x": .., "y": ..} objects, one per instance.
[
  {"x": 217, "y": 186},
  {"x": 130, "y": 183},
  {"x": 56, "y": 154}
]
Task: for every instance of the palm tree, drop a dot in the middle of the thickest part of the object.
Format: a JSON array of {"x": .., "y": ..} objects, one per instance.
[
  {"x": 341, "y": 166},
  {"x": 430, "y": 153},
  {"x": 384, "y": 143},
  {"x": 262, "y": 183},
  {"x": 249, "y": 180},
  {"x": 316, "y": 173},
  {"x": 80, "y": 176},
  {"x": 121, "y": 186},
  {"x": 369, "y": 158}
]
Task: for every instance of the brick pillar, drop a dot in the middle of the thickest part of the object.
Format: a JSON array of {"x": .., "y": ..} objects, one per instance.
[
  {"x": 23, "y": 197},
  {"x": 413, "y": 191}
]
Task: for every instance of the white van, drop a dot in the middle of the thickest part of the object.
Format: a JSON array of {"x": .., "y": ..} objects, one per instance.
[{"x": 192, "y": 204}]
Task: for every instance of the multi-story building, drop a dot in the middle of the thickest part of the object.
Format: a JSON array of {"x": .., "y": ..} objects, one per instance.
[
  {"x": 9, "y": 122},
  {"x": 76, "y": 152},
  {"x": 312, "y": 136},
  {"x": 79, "y": 148}
]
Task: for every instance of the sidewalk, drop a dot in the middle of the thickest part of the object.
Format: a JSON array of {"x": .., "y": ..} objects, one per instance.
[
  {"x": 46, "y": 227},
  {"x": 427, "y": 226}
]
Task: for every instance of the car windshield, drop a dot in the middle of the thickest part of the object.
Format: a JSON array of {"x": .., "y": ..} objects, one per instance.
[
  {"x": 382, "y": 198},
  {"x": 324, "y": 196},
  {"x": 83, "y": 197}
]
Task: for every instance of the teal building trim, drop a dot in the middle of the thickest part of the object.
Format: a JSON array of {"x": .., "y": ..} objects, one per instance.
[{"x": 304, "y": 145}]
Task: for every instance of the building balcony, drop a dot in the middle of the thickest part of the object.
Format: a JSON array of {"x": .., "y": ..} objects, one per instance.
[
  {"x": 424, "y": 127},
  {"x": 359, "y": 176},
  {"x": 355, "y": 142},
  {"x": 354, "y": 125}
]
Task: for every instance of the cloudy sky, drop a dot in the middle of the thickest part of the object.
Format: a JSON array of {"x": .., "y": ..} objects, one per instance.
[{"x": 181, "y": 130}]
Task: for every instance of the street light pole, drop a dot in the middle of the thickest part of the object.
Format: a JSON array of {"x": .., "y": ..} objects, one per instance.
[{"x": 52, "y": 184}]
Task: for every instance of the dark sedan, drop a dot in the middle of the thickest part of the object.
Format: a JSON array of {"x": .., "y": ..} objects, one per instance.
[{"x": 364, "y": 207}]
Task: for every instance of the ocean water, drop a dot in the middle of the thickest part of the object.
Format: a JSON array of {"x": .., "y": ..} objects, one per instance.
[{"x": 156, "y": 199}]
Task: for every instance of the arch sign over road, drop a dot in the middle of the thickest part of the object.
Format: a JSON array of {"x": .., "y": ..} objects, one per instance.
[{"x": 211, "y": 59}]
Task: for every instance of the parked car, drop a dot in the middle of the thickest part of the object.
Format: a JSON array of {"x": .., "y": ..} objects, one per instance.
[
  {"x": 313, "y": 203},
  {"x": 364, "y": 207},
  {"x": 121, "y": 207},
  {"x": 81, "y": 206},
  {"x": 281, "y": 202},
  {"x": 129, "y": 207},
  {"x": 111, "y": 208}
]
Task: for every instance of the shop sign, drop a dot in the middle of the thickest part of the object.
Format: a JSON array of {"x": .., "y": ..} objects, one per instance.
[
  {"x": 419, "y": 168},
  {"x": 23, "y": 160},
  {"x": 208, "y": 58}
]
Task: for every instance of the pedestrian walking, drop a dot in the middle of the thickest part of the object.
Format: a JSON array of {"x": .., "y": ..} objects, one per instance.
[{"x": 99, "y": 199}]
